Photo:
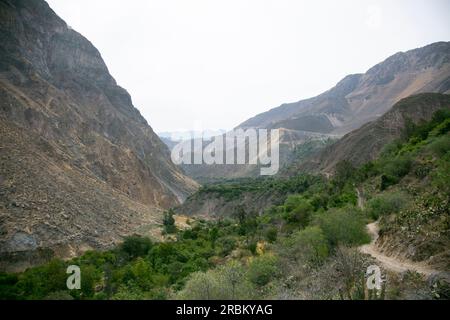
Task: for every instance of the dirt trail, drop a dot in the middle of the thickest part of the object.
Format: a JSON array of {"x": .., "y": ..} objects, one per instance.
[{"x": 390, "y": 263}]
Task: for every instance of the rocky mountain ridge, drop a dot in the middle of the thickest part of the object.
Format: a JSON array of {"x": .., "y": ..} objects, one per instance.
[{"x": 68, "y": 125}]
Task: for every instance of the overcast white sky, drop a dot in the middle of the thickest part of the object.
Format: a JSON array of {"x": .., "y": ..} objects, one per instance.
[{"x": 212, "y": 64}]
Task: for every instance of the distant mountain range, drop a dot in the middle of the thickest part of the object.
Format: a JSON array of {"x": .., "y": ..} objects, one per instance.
[
  {"x": 360, "y": 98},
  {"x": 354, "y": 101}
]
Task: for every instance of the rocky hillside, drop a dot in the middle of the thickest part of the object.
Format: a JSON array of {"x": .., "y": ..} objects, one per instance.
[
  {"x": 79, "y": 165},
  {"x": 366, "y": 143},
  {"x": 360, "y": 98}
]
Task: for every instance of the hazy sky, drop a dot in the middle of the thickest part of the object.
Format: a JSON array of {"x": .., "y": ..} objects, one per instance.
[{"x": 191, "y": 64}]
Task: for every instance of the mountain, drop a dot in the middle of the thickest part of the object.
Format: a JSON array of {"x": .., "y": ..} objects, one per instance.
[
  {"x": 360, "y": 98},
  {"x": 366, "y": 143},
  {"x": 354, "y": 101},
  {"x": 256, "y": 195},
  {"x": 80, "y": 167}
]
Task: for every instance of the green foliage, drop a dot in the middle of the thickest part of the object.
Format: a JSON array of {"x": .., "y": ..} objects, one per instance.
[
  {"x": 272, "y": 234},
  {"x": 262, "y": 270},
  {"x": 8, "y": 289},
  {"x": 344, "y": 172},
  {"x": 386, "y": 203},
  {"x": 308, "y": 245},
  {"x": 226, "y": 245},
  {"x": 441, "y": 176},
  {"x": 440, "y": 146},
  {"x": 234, "y": 189},
  {"x": 135, "y": 246},
  {"x": 346, "y": 226},
  {"x": 298, "y": 210},
  {"x": 225, "y": 283},
  {"x": 39, "y": 282},
  {"x": 169, "y": 222},
  {"x": 398, "y": 167}
]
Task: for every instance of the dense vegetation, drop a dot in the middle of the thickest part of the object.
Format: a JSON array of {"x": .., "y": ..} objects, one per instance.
[{"x": 303, "y": 247}]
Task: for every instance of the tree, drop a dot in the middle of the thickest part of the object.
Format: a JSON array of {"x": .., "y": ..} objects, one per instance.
[
  {"x": 136, "y": 246},
  {"x": 169, "y": 222}
]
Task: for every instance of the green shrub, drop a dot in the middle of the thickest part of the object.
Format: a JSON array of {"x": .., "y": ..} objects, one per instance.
[
  {"x": 398, "y": 167},
  {"x": 226, "y": 244},
  {"x": 440, "y": 146},
  {"x": 298, "y": 210},
  {"x": 309, "y": 246},
  {"x": 386, "y": 181},
  {"x": 345, "y": 226},
  {"x": 136, "y": 246},
  {"x": 271, "y": 234},
  {"x": 262, "y": 270},
  {"x": 386, "y": 203},
  {"x": 225, "y": 283}
]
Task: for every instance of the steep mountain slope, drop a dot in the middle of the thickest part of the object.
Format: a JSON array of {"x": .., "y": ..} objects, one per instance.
[
  {"x": 78, "y": 161},
  {"x": 360, "y": 98},
  {"x": 366, "y": 143}
]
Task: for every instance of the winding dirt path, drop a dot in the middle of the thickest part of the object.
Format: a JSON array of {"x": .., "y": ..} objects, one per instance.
[{"x": 390, "y": 263}]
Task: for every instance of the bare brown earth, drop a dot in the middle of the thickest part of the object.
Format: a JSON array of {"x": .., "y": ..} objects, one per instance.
[
  {"x": 391, "y": 263},
  {"x": 394, "y": 264}
]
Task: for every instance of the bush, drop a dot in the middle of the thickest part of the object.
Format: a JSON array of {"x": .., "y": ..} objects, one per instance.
[
  {"x": 136, "y": 246},
  {"x": 271, "y": 234},
  {"x": 227, "y": 244},
  {"x": 386, "y": 204},
  {"x": 298, "y": 210},
  {"x": 308, "y": 245},
  {"x": 398, "y": 167},
  {"x": 262, "y": 270},
  {"x": 225, "y": 283},
  {"x": 345, "y": 226},
  {"x": 386, "y": 181},
  {"x": 440, "y": 146},
  {"x": 201, "y": 286}
]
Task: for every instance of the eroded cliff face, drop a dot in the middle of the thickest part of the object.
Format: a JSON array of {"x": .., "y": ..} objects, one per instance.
[{"x": 79, "y": 164}]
